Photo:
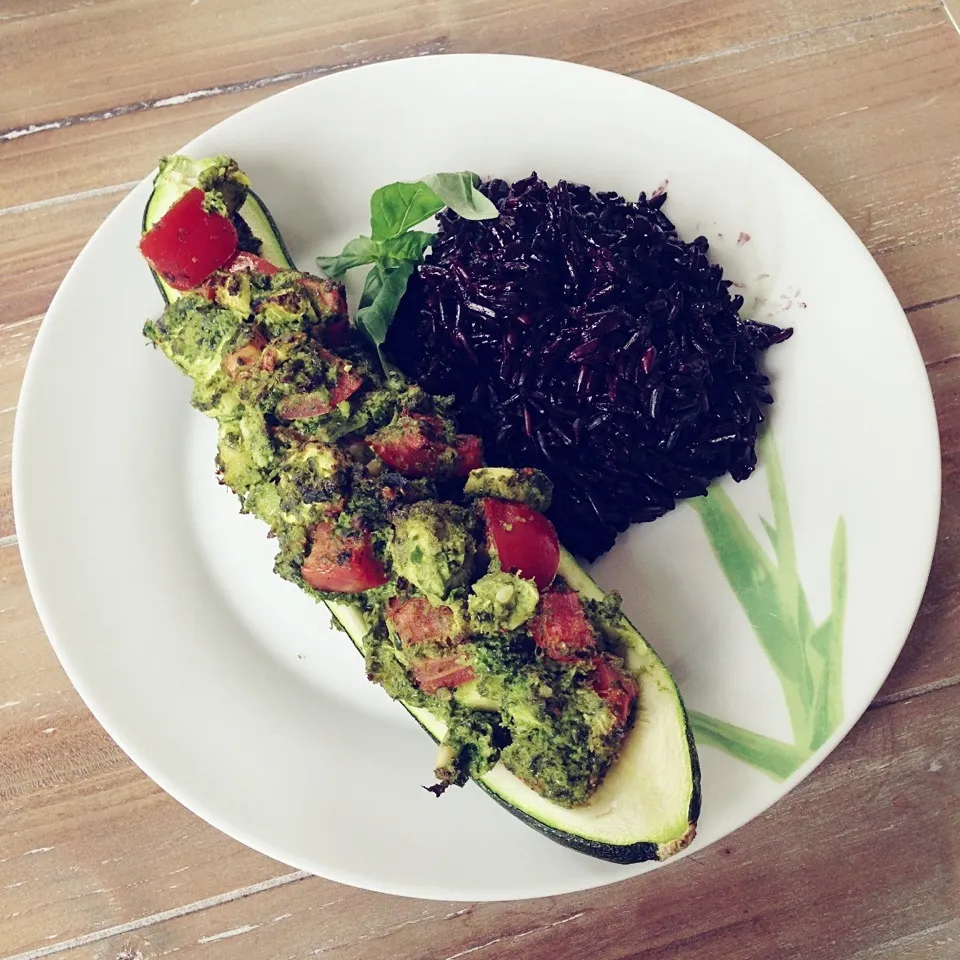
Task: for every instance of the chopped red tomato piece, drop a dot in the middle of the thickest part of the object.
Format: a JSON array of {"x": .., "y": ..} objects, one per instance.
[
  {"x": 328, "y": 295},
  {"x": 415, "y": 446},
  {"x": 411, "y": 446},
  {"x": 523, "y": 539},
  {"x": 417, "y": 620},
  {"x": 431, "y": 675},
  {"x": 237, "y": 363},
  {"x": 617, "y": 688},
  {"x": 561, "y": 628},
  {"x": 469, "y": 453},
  {"x": 300, "y": 406},
  {"x": 348, "y": 383},
  {"x": 188, "y": 243},
  {"x": 342, "y": 562},
  {"x": 315, "y": 403},
  {"x": 242, "y": 260}
]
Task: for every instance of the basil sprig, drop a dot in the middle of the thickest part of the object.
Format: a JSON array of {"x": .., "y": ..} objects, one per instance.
[{"x": 394, "y": 248}]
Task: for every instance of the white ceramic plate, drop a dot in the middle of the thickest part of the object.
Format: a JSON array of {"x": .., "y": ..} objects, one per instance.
[{"x": 227, "y": 686}]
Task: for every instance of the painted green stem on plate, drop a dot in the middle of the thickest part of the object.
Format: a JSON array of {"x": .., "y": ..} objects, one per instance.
[
  {"x": 755, "y": 581},
  {"x": 773, "y": 757},
  {"x": 826, "y": 646},
  {"x": 807, "y": 658}
]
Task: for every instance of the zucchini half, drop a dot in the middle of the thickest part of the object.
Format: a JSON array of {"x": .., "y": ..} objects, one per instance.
[{"x": 647, "y": 806}]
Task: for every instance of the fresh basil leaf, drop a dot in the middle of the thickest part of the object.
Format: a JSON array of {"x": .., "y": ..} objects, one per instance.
[
  {"x": 381, "y": 296},
  {"x": 359, "y": 251},
  {"x": 398, "y": 206},
  {"x": 458, "y": 191},
  {"x": 371, "y": 286},
  {"x": 382, "y": 293},
  {"x": 394, "y": 249},
  {"x": 408, "y": 246}
]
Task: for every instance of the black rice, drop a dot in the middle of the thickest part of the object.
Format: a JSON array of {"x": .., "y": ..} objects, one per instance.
[{"x": 580, "y": 334}]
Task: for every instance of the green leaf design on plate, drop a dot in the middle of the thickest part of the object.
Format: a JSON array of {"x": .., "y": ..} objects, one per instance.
[
  {"x": 826, "y": 646},
  {"x": 773, "y": 757},
  {"x": 807, "y": 657}
]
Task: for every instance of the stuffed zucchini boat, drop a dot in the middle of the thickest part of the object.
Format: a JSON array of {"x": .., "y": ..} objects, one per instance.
[{"x": 444, "y": 572}]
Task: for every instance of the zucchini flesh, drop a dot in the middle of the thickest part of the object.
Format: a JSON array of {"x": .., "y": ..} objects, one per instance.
[{"x": 648, "y": 804}]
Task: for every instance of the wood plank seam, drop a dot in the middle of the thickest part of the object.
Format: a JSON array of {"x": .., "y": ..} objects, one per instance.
[
  {"x": 932, "y": 303},
  {"x": 68, "y": 198},
  {"x": 22, "y": 323},
  {"x": 786, "y": 38},
  {"x": 943, "y": 361},
  {"x": 165, "y": 915},
  {"x": 200, "y": 905},
  {"x": 887, "y": 699},
  {"x": 428, "y": 48},
  {"x": 516, "y": 936},
  {"x": 909, "y": 940}
]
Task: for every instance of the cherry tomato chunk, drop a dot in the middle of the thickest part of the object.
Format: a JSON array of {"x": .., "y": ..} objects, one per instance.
[
  {"x": 469, "y": 453},
  {"x": 414, "y": 445},
  {"x": 348, "y": 383},
  {"x": 411, "y": 446},
  {"x": 188, "y": 243},
  {"x": 524, "y": 540},
  {"x": 433, "y": 674},
  {"x": 242, "y": 260},
  {"x": 317, "y": 403},
  {"x": 617, "y": 688},
  {"x": 416, "y": 620},
  {"x": 561, "y": 628},
  {"x": 342, "y": 562}
]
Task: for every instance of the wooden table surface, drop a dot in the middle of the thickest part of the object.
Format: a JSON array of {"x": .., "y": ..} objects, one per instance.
[{"x": 863, "y": 859}]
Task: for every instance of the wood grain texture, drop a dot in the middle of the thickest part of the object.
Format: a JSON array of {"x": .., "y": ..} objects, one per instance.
[
  {"x": 741, "y": 899},
  {"x": 655, "y": 54},
  {"x": 931, "y": 656},
  {"x": 36, "y": 249},
  {"x": 16, "y": 340},
  {"x": 122, "y": 58},
  {"x": 859, "y": 862}
]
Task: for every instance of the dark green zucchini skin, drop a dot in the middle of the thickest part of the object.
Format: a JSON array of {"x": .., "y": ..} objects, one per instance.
[
  {"x": 624, "y": 854},
  {"x": 612, "y": 853}
]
